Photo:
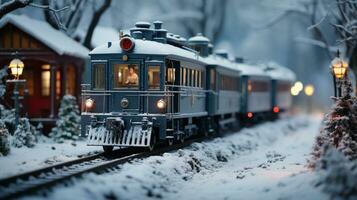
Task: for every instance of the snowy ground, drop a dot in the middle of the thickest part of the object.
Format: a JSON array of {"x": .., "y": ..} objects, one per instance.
[
  {"x": 264, "y": 162},
  {"x": 45, "y": 153}
]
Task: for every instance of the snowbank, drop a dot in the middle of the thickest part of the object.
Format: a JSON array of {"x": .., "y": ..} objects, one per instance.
[
  {"x": 248, "y": 165},
  {"x": 44, "y": 153}
]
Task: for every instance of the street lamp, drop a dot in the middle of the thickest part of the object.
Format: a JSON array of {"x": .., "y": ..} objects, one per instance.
[
  {"x": 16, "y": 67},
  {"x": 309, "y": 91},
  {"x": 339, "y": 70}
]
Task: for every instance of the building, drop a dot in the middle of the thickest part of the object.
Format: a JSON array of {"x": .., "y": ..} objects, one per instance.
[{"x": 54, "y": 63}]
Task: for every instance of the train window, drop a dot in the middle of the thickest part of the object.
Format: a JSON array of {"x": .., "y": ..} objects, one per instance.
[
  {"x": 229, "y": 83},
  {"x": 213, "y": 79},
  {"x": 154, "y": 77},
  {"x": 170, "y": 75},
  {"x": 259, "y": 86},
  {"x": 99, "y": 76},
  {"x": 193, "y": 80},
  {"x": 199, "y": 78},
  {"x": 189, "y": 81},
  {"x": 126, "y": 75},
  {"x": 184, "y": 76}
]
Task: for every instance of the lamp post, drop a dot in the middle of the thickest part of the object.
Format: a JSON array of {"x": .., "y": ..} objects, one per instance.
[
  {"x": 339, "y": 71},
  {"x": 16, "y": 67},
  {"x": 309, "y": 91}
]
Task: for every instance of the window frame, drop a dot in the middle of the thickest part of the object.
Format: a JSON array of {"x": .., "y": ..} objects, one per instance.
[
  {"x": 112, "y": 63},
  {"x": 93, "y": 74}
]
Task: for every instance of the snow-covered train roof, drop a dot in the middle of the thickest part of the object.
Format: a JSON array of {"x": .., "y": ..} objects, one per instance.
[
  {"x": 278, "y": 72},
  {"x": 147, "y": 47},
  {"x": 43, "y": 32}
]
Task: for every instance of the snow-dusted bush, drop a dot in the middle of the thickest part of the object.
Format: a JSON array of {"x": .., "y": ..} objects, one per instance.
[
  {"x": 338, "y": 175},
  {"x": 68, "y": 123},
  {"x": 4, "y": 139},
  {"x": 340, "y": 126},
  {"x": 24, "y": 134},
  {"x": 8, "y": 117}
]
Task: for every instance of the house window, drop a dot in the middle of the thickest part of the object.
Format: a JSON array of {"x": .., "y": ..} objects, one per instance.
[
  {"x": 45, "y": 83},
  {"x": 126, "y": 76},
  {"x": 154, "y": 77}
]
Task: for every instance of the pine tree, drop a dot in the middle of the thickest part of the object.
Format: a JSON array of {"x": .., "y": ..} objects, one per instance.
[
  {"x": 68, "y": 123},
  {"x": 24, "y": 134},
  {"x": 340, "y": 126},
  {"x": 4, "y": 139}
]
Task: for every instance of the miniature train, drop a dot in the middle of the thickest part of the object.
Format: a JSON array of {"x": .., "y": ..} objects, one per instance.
[{"x": 154, "y": 87}]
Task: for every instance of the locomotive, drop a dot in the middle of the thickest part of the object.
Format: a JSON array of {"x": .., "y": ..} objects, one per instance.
[{"x": 153, "y": 87}]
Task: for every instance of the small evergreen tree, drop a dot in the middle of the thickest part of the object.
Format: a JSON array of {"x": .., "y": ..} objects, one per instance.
[
  {"x": 24, "y": 134},
  {"x": 68, "y": 123},
  {"x": 4, "y": 139},
  {"x": 340, "y": 126}
]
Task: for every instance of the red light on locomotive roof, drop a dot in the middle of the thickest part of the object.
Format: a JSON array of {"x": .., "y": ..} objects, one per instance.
[
  {"x": 126, "y": 43},
  {"x": 249, "y": 115},
  {"x": 276, "y": 109}
]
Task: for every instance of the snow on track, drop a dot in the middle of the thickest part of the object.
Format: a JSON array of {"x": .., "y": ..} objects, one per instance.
[
  {"x": 266, "y": 161},
  {"x": 45, "y": 153}
]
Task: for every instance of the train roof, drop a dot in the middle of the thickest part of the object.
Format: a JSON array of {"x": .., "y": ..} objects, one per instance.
[
  {"x": 278, "y": 72},
  {"x": 147, "y": 47}
]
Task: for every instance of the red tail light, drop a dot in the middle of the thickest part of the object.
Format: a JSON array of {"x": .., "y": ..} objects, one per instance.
[
  {"x": 126, "y": 43},
  {"x": 249, "y": 115},
  {"x": 276, "y": 109}
]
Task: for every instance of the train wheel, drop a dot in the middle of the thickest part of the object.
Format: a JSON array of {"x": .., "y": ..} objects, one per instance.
[{"x": 108, "y": 149}]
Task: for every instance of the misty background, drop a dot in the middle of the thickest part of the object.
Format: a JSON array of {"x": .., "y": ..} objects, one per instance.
[{"x": 258, "y": 31}]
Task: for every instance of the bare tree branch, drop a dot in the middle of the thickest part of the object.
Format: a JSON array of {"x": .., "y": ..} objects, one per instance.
[
  {"x": 95, "y": 20},
  {"x": 13, "y": 5}
]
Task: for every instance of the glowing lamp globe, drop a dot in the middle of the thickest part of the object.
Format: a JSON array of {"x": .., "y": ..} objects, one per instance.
[
  {"x": 16, "y": 66},
  {"x": 339, "y": 67}
]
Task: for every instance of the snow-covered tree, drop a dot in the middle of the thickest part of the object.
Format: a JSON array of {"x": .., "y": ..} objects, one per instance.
[
  {"x": 337, "y": 175},
  {"x": 4, "y": 139},
  {"x": 340, "y": 126},
  {"x": 68, "y": 123},
  {"x": 24, "y": 134}
]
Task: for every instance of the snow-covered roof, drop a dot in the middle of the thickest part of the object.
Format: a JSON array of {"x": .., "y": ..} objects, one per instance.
[
  {"x": 199, "y": 38},
  {"x": 278, "y": 72},
  {"x": 146, "y": 47},
  {"x": 43, "y": 32}
]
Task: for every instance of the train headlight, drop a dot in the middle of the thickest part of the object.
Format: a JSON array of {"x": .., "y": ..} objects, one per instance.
[
  {"x": 161, "y": 104},
  {"x": 89, "y": 103},
  {"x": 124, "y": 103}
]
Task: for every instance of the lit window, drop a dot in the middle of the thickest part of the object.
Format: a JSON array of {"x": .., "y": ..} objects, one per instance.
[
  {"x": 99, "y": 76},
  {"x": 71, "y": 79},
  {"x": 213, "y": 79},
  {"x": 184, "y": 77},
  {"x": 126, "y": 75},
  {"x": 154, "y": 77},
  {"x": 170, "y": 76},
  {"x": 45, "y": 83},
  {"x": 58, "y": 84},
  {"x": 193, "y": 82}
]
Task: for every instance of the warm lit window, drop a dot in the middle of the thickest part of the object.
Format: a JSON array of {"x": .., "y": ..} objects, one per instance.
[
  {"x": 154, "y": 77},
  {"x": 58, "y": 84},
  {"x": 199, "y": 78},
  {"x": 170, "y": 75},
  {"x": 45, "y": 83},
  {"x": 126, "y": 75},
  {"x": 193, "y": 81},
  {"x": 99, "y": 76}
]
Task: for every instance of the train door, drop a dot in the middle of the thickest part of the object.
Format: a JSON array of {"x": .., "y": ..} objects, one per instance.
[{"x": 153, "y": 83}]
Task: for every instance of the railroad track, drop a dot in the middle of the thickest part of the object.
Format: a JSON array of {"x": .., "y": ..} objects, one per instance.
[{"x": 37, "y": 180}]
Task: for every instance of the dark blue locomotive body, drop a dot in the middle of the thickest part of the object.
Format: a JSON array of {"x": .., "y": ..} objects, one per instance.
[{"x": 152, "y": 86}]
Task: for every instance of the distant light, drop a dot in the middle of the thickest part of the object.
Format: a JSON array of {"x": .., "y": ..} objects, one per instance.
[
  {"x": 249, "y": 115},
  {"x": 294, "y": 91},
  {"x": 299, "y": 86},
  {"x": 276, "y": 109},
  {"x": 309, "y": 90}
]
